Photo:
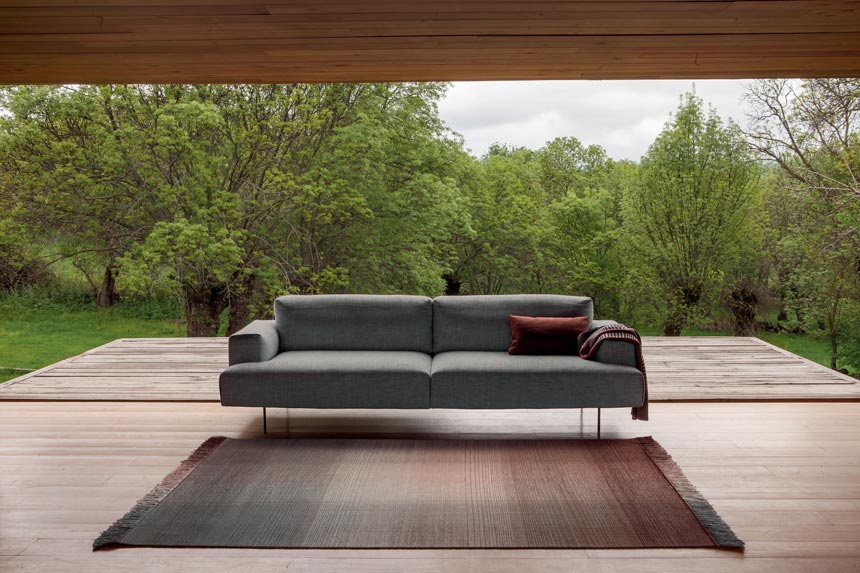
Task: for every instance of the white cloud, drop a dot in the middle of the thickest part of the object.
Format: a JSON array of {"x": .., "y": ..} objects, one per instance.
[{"x": 622, "y": 116}]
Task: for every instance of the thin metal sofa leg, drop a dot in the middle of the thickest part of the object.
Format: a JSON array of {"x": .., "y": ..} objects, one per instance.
[
  {"x": 598, "y": 423},
  {"x": 265, "y": 429}
]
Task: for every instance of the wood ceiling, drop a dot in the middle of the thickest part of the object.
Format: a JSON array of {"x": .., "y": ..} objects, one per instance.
[{"x": 159, "y": 41}]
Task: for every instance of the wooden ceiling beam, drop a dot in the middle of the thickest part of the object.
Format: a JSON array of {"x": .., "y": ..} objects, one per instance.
[{"x": 235, "y": 41}]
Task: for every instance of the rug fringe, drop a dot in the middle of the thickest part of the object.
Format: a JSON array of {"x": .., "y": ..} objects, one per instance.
[
  {"x": 718, "y": 529},
  {"x": 115, "y": 534}
]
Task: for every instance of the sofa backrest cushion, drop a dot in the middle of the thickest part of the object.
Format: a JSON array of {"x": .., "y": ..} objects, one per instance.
[
  {"x": 480, "y": 322},
  {"x": 354, "y": 322}
]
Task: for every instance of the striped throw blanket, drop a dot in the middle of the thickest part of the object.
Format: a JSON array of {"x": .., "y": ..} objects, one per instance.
[{"x": 590, "y": 341}]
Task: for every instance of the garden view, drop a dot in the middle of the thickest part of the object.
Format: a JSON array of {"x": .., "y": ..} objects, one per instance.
[{"x": 172, "y": 210}]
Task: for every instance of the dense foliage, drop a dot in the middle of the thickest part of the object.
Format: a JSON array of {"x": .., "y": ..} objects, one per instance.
[
  {"x": 226, "y": 196},
  {"x": 688, "y": 216}
]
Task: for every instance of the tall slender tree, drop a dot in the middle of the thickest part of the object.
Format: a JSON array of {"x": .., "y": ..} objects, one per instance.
[
  {"x": 811, "y": 130},
  {"x": 691, "y": 208}
]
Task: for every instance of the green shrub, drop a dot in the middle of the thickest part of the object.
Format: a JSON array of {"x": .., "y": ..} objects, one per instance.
[{"x": 849, "y": 340}]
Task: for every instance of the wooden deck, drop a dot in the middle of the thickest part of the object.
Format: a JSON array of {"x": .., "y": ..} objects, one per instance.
[
  {"x": 785, "y": 476},
  {"x": 679, "y": 369}
]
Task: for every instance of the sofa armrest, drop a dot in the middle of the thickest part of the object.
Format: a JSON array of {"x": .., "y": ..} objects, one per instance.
[
  {"x": 257, "y": 342},
  {"x": 614, "y": 351}
]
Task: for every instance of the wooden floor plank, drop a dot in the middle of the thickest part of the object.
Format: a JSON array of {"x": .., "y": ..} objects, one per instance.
[
  {"x": 708, "y": 368},
  {"x": 785, "y": 476}
]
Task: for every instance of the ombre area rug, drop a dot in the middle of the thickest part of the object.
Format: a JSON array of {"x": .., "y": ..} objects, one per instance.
[{"x": 410, "y": 494}]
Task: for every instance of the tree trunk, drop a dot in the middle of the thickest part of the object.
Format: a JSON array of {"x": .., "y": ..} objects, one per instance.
[
  {"x": 677, "y": 319},
  {"x": 107, "y": 292},
  {"x": 239, "y": 314},
  {"x": 203, "y": 311},
  {"x": 674, "y": 323},
  {"x": 743, "y": 306},
  {"x": 834, "y": 350},
  {"x": 833, "y": 332},
  {"x": 452, "y": 285},
  {"x": 782, "y": 316}
]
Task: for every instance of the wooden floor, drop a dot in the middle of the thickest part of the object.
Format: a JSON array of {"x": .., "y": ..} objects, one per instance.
[
  {"x": 682, "y": 369},
  {"x": 785, "y": 476}
]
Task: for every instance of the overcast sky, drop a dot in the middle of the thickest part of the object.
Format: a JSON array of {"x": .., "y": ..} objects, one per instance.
[{"x": 622, "y": 116}]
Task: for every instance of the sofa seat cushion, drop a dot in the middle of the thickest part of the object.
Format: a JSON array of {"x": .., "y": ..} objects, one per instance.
[
  {"x": 474, "y": 379},
  {"x": 331, "y": 379}
]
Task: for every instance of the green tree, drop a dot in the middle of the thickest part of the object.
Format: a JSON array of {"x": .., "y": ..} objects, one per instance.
[
  {"x": 691, "y": 208},
  {"x": 811, "y": 130},
  {"x": 544, "y": 221},
  {"x": 567, "y": 166},
  {"x": 293, "y": 188},
  {"x": 19, "y": 265},
  {"x": 402, "y": 174},
  {"x": 233, "y": 194},
  {"x": 188, "y": 157},
  {"x": 72, "y": 170},
  {"x": 582, "y": 189},
  {"x": 507, "y": 215}
]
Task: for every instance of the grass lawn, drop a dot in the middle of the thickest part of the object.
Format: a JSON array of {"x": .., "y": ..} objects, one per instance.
[
  {"x": 815, "y": 348},
  {"x": 33, "y": 338}
]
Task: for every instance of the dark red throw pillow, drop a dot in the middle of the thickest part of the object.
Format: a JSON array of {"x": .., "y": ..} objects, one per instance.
[{"x": 545, "y": 334}]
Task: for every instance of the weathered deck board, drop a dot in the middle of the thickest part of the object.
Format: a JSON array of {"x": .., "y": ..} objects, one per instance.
[{"x": 679, "y": 369}]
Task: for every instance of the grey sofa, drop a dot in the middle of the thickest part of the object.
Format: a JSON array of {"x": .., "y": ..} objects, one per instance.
[{"x": 393, "y": 351}]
